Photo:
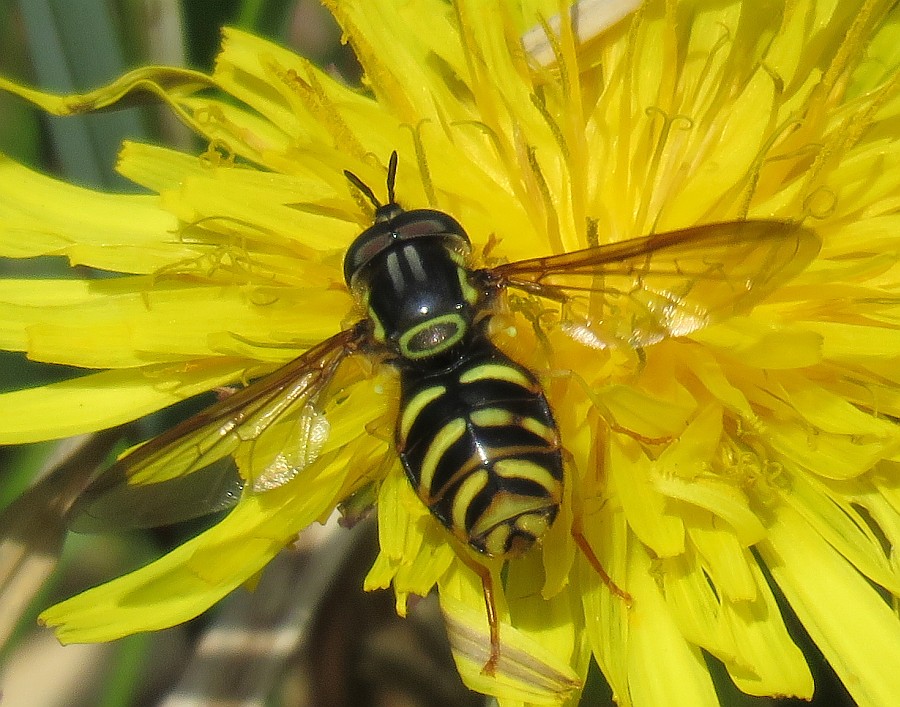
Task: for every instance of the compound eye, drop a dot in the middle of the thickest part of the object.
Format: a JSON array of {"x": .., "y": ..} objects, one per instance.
[
  {"x": 367, "y": 245},
  {"x": 428, "y": 223}
]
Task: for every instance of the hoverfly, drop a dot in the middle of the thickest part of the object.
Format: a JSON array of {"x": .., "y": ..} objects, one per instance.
[{"x": 475, "y": 433}]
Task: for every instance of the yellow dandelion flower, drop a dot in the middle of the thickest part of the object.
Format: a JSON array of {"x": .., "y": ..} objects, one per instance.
[{"x": 725, "y": 396}]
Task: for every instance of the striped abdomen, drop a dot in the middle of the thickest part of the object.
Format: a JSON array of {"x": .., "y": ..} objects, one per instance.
[{"x": 480, "y": 447}]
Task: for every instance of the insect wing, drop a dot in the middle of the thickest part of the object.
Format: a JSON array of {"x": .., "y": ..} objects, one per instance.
[
  {"x": 273, "y": 428},
  {"x": 637, "y": 292}
]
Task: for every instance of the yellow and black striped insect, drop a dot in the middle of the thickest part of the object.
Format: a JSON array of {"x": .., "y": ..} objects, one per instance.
[{"x": 474, "y": 432}]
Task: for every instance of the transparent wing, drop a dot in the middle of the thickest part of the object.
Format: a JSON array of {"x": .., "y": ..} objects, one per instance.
[
  {"x": 637, "y": 292},
  {"x": 270, "y": 431}
]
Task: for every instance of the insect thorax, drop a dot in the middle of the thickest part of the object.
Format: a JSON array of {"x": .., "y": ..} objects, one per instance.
[{"x": 409, "y": 271}]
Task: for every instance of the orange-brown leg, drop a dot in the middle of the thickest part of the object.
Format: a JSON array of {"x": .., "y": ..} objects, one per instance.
[
  {"x": 487, "y": 584},
  {"x": 652, "y": 441},
  {"x": 581, "y": 541}
]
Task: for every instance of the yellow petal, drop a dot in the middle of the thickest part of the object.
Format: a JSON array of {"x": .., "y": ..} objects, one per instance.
[
  {"x": 749, "y": 637},
  {"x": 171, "y": 84},
  {"x": 415, "y": 550},
  {"x": 102, "y": 400},
  {"x": 853, "y": 626},
  {"x": 526, "y": 671},
  {"x": 763, "y": 345},
  {"x": 195, "y": 575},
  {"x": 685, "y": 471},
  {"x": 157, "y": 168},
  {"x": 767, "y": 661},
  {"x": 834, "y": 516},
  {"x": 269, "y": 203},
  {"x": 555, "y": 622},
  {"x": 633, "y": 478},
  {"x": 312, "y": 108},
  {"x": 854, "y": 343},
  {"x": 125, "y": 233},
  {"x": 722, "y": 498},
  {"x": 725, "y": 559},
  {"x": 741, "y": 128},
  {"x": 831, "y": 413},
  {"x": 691, "y": 454},
  {"x": 606, "y": 615},
  {"x": 830, "y": 455},
  {"x": 681, "y": 677},
  {"x": 141, "y": 320},
  {"x": 648, "y": 413},
  {"x": 713, "y": 376},
  {"x": 403, "y": 76},
  {"x": 695, "y": 605}
]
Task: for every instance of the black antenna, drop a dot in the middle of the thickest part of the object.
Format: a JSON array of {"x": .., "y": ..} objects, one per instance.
[
  {"x": 392, "y": 175},
  {"x": 367, "y": 192},
  {"x": 363, "y": 187}
]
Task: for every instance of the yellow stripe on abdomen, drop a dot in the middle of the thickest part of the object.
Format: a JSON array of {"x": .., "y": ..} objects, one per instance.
[
  {"x": 502, "y": 417},
  {"x": 512, "y": 468},
  {"x": 414, "y": 407},
  {"x": 445, "y": 438},
  {"x": 496, "y": 371},
  {"x": 462, "y": 499}
]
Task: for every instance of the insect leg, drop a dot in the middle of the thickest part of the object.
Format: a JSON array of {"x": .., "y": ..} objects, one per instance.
[
  {"x": 487, "y": 584},
  {"x": 581, "y": 541},
  {"x": 636, "y": 436}
]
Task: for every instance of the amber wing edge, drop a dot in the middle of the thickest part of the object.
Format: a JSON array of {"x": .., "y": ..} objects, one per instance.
[
  {"x": 111, "y": 503},
  {"x": 741, "y": 262}
]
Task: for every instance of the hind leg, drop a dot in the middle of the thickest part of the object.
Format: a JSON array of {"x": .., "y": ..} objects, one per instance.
[
  {"x": 588, "y": 551},
  {"x": 487, "y": 583}
]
